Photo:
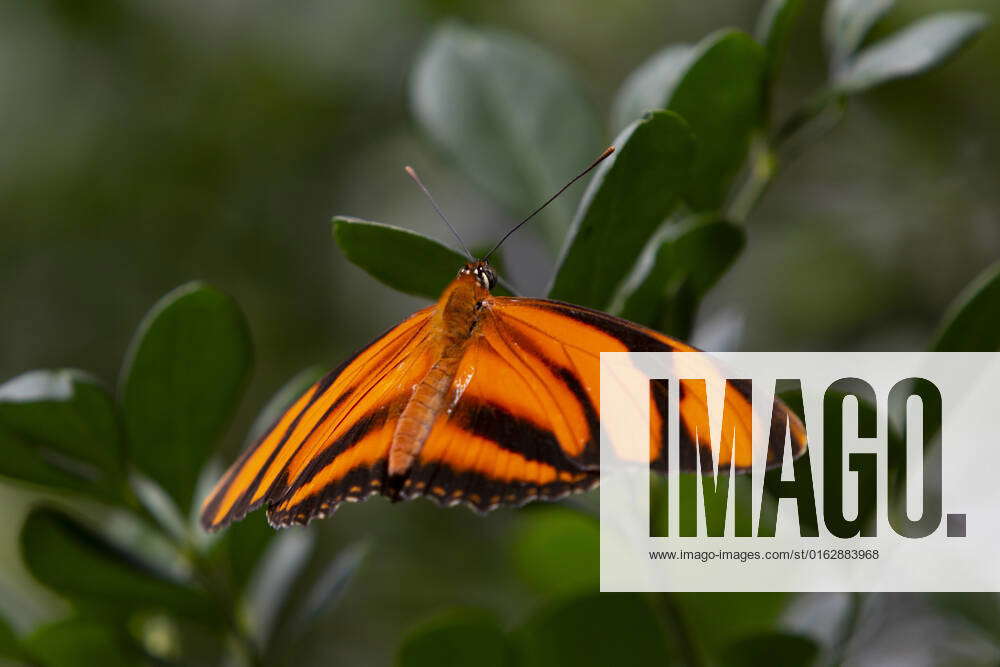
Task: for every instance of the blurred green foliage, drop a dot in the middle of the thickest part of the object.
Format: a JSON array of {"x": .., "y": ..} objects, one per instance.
[{"x": 211, "y": 141}]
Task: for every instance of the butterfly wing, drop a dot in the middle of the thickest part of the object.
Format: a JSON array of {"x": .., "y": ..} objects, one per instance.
[
  {"x": 559, "y": 345},
  {"x": 331, "y": 444}
]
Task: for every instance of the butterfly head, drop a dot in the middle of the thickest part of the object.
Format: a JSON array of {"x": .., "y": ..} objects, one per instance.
[{"x": 482, "y": 272}]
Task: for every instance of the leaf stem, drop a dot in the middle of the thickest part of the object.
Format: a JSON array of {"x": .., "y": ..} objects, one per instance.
[
  {"x": 673, "y": 618},
  {"x": 769, "y": 153},
  {"x": 763, "y": 168}
]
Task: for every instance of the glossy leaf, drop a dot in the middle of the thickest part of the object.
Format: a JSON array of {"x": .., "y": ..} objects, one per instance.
[
  {"x": 717, "y": 87},
  {"x": 774, "y": 27},
  {"x": 406, "y": 261},
  {"x": 183, "y": 377},
  {"x": 912, "y": 50},
  {"x": 543, "y": 539},
  {"x": 595, "y": 630},
  {"x": 60, "y": 429},
  {"x": 972, "y": 323},
  {"x": 82, "y": 642},
  {"x": 773, "y": 648},
  {"x": 631, "y": 193},
  {"x": 678, "y": 267},
  {"x": 101, "y": 571},
  {"x": 23, "y": 461},
  {"x": 457, "y": 639},
  {"x": 721, "y": 96},
  {"x": 648, "y": 88},
  {"x": 511, "y": 116},
  {"x": 847, "y": 22}
]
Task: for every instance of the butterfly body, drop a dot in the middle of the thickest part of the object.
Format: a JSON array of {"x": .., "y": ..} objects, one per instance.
[{"x": 454, "y": 324}]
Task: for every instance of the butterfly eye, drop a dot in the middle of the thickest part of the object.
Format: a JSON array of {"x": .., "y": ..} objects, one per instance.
[{"x": 486, "y": 277}]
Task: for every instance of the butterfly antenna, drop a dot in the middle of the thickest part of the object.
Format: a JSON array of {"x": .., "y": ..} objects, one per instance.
[
  {"x": 608, "y": 151},
  {"x": 413, "y": 175}
]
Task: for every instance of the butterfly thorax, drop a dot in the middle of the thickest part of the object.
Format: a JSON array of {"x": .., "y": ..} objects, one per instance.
[{"x": 455, "y": 323}]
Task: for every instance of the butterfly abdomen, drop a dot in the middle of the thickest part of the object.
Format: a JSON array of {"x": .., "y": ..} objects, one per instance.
[
  {"x": 414, "y": 424},
  {"x": 454, "y": 324}
]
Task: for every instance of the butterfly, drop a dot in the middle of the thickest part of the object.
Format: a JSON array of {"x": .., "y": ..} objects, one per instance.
[{"x": 479, "y": 399}]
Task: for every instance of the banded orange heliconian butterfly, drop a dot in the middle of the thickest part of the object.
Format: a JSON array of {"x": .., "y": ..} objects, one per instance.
[{"x": 482, "y": 399}]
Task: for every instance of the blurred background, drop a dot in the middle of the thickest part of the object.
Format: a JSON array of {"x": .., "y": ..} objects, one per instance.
[{"x": 148, "y": 143}]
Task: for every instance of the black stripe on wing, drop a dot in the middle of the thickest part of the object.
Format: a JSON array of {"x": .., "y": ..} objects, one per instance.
[
  {"x": 358, "y": 484},
  {"x": 633, "y": 336},
  {"x": 524, "y": 346},
  {"x": 439, "y": 482}
]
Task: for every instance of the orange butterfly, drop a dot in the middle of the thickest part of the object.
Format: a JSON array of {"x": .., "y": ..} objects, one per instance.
[{"x": 482, "y": 399}]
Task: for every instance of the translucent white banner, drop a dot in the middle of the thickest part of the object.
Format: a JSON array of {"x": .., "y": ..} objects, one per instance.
[{"x": 905, "y": 496}]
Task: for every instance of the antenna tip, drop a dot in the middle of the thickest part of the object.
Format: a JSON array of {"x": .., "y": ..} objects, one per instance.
[
  {"x": 607, "y": 151},
  {"x": 409, "y": 170}
]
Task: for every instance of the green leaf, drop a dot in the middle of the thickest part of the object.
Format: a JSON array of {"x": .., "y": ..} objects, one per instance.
[
  {"x": 717, "y": 87},
  {"x": 721, "y": 96},
  {"x": 912, "y": 50},
  {"x": 972, "y": 322},
  {"x": 457, "y": 639},
  {"x": 845, "y": 24},
  {"x": 60, "y": 429},
  {"x": 82, "y": 642},
  {"x": 648, "y": 88},
  {"x": 631, "y": 193},
  {"x": 406, "y": 261},
  {"x": 510, "y": 116},
  {"x": 596, "y": 629},
  {"x": 732, "y": 617},
  {"x": 773, "y": 648},
  {"x": 774, "y": 26},
  {"x": 81, "y": 564},
  {"x": 183, "y": 377},
  {"x": 23, "y": 461},
  {"x": 544, "y": 537},
  {"x": 680, "y": 264}
]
